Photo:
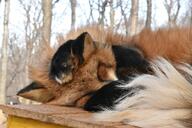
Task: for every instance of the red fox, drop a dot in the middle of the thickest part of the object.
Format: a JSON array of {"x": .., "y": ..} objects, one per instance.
[
  {"x": 157, "y": 89},
  {"x": 173, "y": 44}
]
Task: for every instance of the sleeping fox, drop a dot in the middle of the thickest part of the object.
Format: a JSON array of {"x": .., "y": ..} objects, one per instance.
[
  {"x": 96, "y": 66},
  {"x": 127, "y": 55},
  {"x": 165, "y": 93}
]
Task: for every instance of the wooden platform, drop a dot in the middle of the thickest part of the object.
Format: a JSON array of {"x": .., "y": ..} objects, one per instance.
[{"x": 41, "y": 116}]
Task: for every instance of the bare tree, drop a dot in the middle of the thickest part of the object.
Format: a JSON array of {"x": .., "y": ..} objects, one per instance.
[
  {"x": 112, "y": 14},
  {"x": 134, "y": 16},
  {"x": 73, "y": 13},
  {"x": 47, "y": 19},
  {"x": 101, "y": 8},
  {"x": 149, "y": 14},
  {"x": 190, "y": 8},
  {"x": 124, "y": 15},
  {"x": 172, "y": 13},
  {"x": 91, "y": 18},
  {"x": 3, "y": 76},
  {"x": 32, "y": 27},
  {"x": 20, "y": 57}
]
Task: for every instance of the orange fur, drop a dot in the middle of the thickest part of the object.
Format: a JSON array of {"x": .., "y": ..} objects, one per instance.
[
  {"x": 99, "y": 34},
  {"x": 174, "y": 44}
]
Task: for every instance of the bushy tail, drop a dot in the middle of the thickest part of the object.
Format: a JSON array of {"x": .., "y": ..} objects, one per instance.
[{"x": 164, "y": 102}]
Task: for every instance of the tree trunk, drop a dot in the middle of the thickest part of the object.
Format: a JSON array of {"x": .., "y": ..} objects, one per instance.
[
  {"x": 177, "y": 13},
  {"x": 3, "y": 76},
  {"x": 47, "y": 19},
  {"x": 191, "y": 19},
  {"x": 190, "y": 8},
  {"x": 101, "y": 9},
  {"x": 91, "y": 18},
  {"x": 126, "y": 22},
  {"x": 73, "y": 13},
  {"x": 134, "y": 16},
  {"x": 149, "y": 14},
  {"x": 112, "y": 14},
  {"x": 171, "y": 12}
]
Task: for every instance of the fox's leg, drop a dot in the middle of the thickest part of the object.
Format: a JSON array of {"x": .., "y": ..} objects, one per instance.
[{"x": 110, "y": 95}]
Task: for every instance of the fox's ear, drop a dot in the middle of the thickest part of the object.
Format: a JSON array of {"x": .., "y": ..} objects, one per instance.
[
  {"x": 36, "y": 92},
  {"x": 83, "y": 46}
]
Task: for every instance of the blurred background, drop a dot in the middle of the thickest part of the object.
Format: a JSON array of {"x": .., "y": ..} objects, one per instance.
[{"x": 25, "y": 25}]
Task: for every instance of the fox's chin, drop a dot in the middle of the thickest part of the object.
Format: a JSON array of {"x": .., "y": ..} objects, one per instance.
[{"x": 64, "y": 79}]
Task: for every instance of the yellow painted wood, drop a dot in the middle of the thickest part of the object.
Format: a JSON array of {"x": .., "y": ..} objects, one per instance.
[{"x": 19, "y": 122}]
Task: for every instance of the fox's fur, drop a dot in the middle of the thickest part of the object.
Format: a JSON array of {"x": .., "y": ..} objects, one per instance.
[
  {"x": 174, "y": 44},
  {"x": 164, "y": 102},
  {"x": 99, "y": 34}
]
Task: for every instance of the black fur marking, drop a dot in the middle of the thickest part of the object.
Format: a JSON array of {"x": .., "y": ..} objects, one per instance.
[
  {"x": 78, "y": 47},
  {"x": 30, "y": 87},
  {"x": 110, "y": 95},
  {"x": 63, "y": 55},
  {"x": 129, "y": 62}
]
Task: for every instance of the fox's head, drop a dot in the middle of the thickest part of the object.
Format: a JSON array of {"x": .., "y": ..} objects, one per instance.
[{"x": 69, "y": 56}]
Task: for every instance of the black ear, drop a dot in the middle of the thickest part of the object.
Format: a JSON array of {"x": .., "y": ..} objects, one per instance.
[
  {"x": 36, "y": 92},
  {"x": 83, "y": 46},
  {"x": 129, "y": 61}
]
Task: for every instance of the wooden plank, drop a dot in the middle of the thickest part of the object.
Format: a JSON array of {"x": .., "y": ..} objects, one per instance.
[
  {"x": 65, "y": 116},
  {"x": 19, "y": 122}
]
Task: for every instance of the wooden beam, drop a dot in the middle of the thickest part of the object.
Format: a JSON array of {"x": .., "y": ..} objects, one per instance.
[{"x": 63, "y": 116}]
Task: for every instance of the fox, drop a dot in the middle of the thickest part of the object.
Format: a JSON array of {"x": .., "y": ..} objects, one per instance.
[
  {"x": 98, "y": 64},
  {"x": 130, "y": 54},
  {"x": 79, "y": 87}
]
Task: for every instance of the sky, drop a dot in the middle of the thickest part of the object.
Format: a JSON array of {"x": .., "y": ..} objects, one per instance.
[{"x": 61, "y": 16}]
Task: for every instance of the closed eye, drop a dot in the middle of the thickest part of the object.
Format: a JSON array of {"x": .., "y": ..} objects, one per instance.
[
  {"x": 106, "y": 65},
  {"x": 64, "y": 65}
]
